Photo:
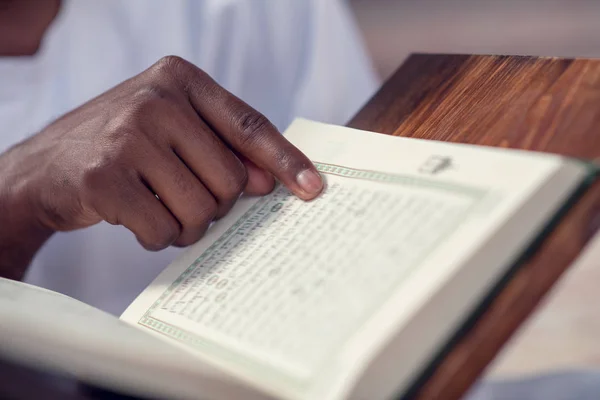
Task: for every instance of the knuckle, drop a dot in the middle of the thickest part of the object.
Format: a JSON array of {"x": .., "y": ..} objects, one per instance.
[
  {"x": 155, "y": 244},
  {"x": 162, "y": 236},
  {"x": 144, "y": 106},
  {"x": 251, "y": 126},
  {"x": 150, "y": 93},
  {"x": 101, "y": 173},
  {"x": 170, "y": 65},
  {"x": 181, "y": 73},
  {"x": 186, "y": 187},
  {"x": 134, "y": 129},
  {"x": 168, "y": 233},
  {"x": 205, "y": 213},
  {"x": 235, "y": 184},
  {"x": 124, "y": 127},
  {"x": 190, "y": 239},
  {"x": 209, "y": 210}
]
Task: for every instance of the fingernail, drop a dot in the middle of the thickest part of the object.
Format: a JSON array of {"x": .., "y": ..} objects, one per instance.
[{"x": 310, "y": 181}]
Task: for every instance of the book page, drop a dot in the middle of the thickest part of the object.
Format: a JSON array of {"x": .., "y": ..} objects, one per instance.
[
  {"x": 280, "y": 289},
  {"x": 47, "y": 330}
]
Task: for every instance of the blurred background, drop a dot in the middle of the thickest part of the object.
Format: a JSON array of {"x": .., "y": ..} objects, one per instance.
[
  {"x": 394, "y": 28},
  {"x": 565, "y": 331}
]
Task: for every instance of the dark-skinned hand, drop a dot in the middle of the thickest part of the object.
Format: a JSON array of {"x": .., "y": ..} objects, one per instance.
[{"x": 163, "y": 154}]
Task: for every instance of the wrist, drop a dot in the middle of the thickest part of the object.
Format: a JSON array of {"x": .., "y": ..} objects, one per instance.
[{"x": 21, "y": 231}]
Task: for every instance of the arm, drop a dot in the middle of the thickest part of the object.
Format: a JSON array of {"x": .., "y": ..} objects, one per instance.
[
  {"x": 337, "y": 77},
  {"x": 163, "y": 154},
  {"x": 21, "y": 234}
]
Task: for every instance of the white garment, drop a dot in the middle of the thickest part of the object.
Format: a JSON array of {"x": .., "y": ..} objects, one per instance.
[{"x": 286, "y": 58}]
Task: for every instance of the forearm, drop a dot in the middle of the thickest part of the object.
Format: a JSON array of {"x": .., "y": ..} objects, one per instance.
[
  {"x": 20, "y": 239},
  {"x": 21, "y": 234}
]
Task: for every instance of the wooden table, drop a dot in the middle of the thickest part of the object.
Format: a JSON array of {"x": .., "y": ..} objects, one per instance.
[{"x": 542, "y": 104}]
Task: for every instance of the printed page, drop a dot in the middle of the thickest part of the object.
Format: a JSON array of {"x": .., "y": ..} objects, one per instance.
[
  {"x": 44, "y": 329},
  {"x": 278, "y": 290}
]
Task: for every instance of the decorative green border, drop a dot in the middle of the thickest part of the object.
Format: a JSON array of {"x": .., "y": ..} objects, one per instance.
[
  {"x": 148, "y": 321},
  {"x": 407, "y": 180}
]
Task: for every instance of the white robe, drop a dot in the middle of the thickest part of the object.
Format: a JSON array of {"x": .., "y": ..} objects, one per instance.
[{"x": 286, "y": 58}]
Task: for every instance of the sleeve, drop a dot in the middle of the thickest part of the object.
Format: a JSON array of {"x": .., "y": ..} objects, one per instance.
[
  {"x": 337, "y": 76},
  {"x": 286, "y": 58}
]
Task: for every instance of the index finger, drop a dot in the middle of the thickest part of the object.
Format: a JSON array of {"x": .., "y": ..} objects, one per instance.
[{"x": 251, "y": 134}]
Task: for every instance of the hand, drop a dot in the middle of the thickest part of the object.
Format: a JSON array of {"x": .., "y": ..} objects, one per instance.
[{"x": 164, "y": 154}]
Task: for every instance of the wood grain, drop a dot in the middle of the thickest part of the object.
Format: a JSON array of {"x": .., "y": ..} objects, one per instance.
[{"x": 542, "y": 104}]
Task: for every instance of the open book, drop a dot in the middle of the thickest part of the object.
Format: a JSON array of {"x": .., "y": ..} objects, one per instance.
[{"x": 349, "y": 296}]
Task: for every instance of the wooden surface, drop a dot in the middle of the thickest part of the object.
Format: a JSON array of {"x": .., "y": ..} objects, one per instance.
[
  {"x": 540, "y": 104},
  {"x": 544, "y": 104}
]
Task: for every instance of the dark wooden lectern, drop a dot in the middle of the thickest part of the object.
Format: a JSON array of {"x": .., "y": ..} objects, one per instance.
[{"x": 543, "y": 104}]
